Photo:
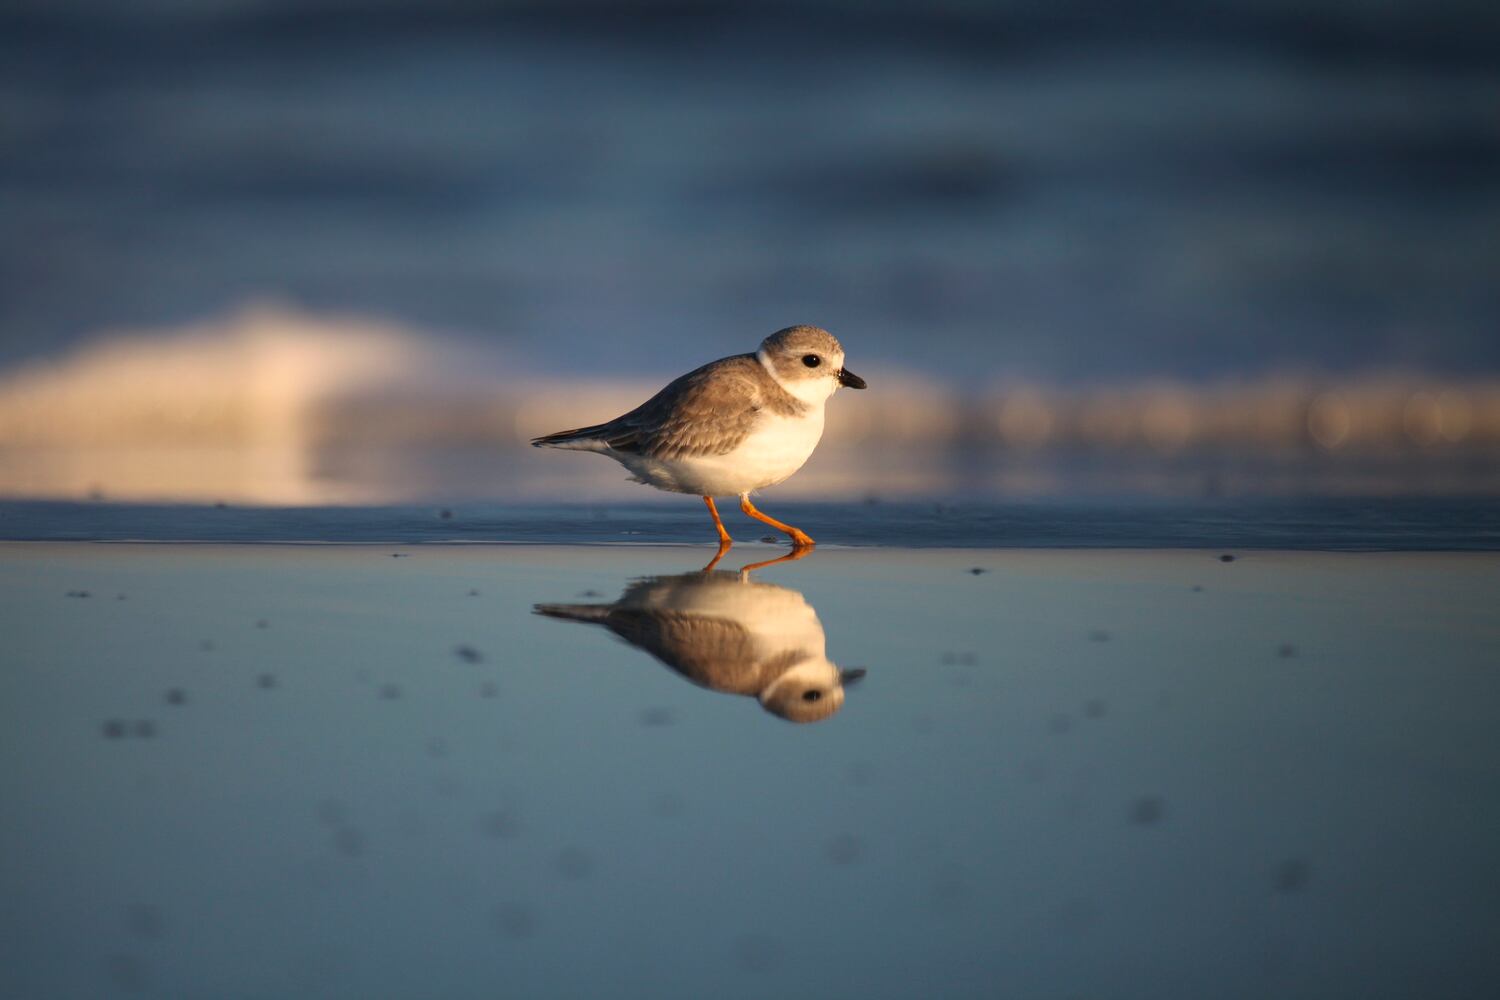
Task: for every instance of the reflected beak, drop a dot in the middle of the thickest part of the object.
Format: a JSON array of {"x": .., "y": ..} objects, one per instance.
[
  {"x": 852, "y": 674},
  {"x": 853, "y": 381}
]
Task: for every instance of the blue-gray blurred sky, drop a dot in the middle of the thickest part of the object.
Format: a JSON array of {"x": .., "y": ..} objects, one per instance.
[{"x": 1067, "y": 191}]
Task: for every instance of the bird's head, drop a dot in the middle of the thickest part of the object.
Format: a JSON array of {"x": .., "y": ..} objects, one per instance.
[{"x": 808, "y": 362}]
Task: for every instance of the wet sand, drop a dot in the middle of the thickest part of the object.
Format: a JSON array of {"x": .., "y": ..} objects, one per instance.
[{"x": 368, "y": 771}]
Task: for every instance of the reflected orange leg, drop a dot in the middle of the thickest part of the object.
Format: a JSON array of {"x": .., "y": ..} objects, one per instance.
[
  {"x": 800, "y": 539},
  {"x": 792, "y": 556},
  {"x": 723, "y": 548}
]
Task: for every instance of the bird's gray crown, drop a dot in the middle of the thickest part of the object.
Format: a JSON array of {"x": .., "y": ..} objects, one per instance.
[{"x": 799, "y": 340}]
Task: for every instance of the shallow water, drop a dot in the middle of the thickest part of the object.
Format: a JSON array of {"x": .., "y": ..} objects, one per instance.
[{"x": 370, "y": 771}]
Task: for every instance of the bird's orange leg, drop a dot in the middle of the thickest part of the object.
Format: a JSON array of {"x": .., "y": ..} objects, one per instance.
[
  {"x": 800, "y": 539},
  {"x": 713, "y": 509},
  {"x": 724, "y": 540}
]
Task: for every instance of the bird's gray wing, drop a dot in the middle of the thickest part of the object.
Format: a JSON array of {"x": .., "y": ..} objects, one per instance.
[{"x": 705, "y": 412}]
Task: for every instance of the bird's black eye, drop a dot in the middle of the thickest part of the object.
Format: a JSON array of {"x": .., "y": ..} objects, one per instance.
[
  {"x": 812, "y": 695},
  {"x": 811, "y": 360}
]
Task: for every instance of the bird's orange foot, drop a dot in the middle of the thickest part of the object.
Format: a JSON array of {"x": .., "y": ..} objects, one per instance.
[{"x": 800, "y": 539}]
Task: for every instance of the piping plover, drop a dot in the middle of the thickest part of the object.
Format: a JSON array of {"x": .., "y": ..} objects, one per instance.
[
  {"x": 730, "y": 428},
  {"x": 728, "y": 633}
]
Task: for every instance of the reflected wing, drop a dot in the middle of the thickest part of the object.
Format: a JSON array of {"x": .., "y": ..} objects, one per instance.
[{"x": 714, "y": 652}]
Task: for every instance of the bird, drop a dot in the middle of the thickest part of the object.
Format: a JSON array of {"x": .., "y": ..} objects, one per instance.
[
  {"x": 727, "y": 632},
  {"x": 730, "y": 428}
]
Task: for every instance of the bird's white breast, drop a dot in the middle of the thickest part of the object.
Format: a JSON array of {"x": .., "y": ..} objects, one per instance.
[{"x": 776, "y": 447}]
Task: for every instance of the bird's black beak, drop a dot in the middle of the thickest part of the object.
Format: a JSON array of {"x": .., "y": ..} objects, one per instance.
[
  {"x": 851, "y": 675},
  {"x": 853, "y": 381}
]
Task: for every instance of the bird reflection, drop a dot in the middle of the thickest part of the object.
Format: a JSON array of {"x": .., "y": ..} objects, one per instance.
[{"x": 727, "y": 632}]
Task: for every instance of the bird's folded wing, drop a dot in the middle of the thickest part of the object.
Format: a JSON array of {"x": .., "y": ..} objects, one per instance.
[{"x": 705, "y": 412}]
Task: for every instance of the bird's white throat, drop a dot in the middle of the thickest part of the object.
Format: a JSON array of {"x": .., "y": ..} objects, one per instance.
[{"x": 812, "y": 391}]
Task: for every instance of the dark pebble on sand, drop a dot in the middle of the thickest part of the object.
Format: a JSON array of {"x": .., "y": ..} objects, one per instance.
[
  {"x": 145, "y": 921},
  {"x": 262, "y": 623},
  {"x": 859, "y": 772},
  {"x": 468, "y": 654},
  {"x": 1147, "y": 810},
  {"x": 1094, "y": 708},
  {"x": 757, "y": 953},
  {"x": 445, "y": 514},
  {"x": 176, "y": 696},
  {"x": 516, "y": 920},
  {"x": 145, "y": 729},
  {"x": 489, "y": 690},
  {"x": 1291, "y": 875},
  {"x": 333, "y": 812},
  {"x": 473, "y": 593},
  {"x": 113, "y": 729},
  {"x": 1286, "y": 651},
  {"x": 573, "y": 863},
  {"x": 206, "y": 645},
  {"x": 265, "y": 681},
  {"x": 503, "y": 824},
  {"x": 656, "y": 716},
  {"x": 1226, "y": 557},
  {"x": 950, "y": 892},
  {"x": 398, "y": 555},
  {"x": 1099, "y": 635},
  {"x": 977, "y": 571},
  {"x": 1197, "y": 588},
  {"x": 348, "y": 842},
  {"x": 669, "y": 805},
  {"x": 78, "y": 593},
  {"x": 769, "y": 539},
  {"x": 390, "y": 692},
  {"x": 844, "y": 849},
  {"x": 125, "y": 973}
]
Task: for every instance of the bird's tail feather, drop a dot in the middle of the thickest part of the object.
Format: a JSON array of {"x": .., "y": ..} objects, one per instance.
[{"x": 584, "y": 438}]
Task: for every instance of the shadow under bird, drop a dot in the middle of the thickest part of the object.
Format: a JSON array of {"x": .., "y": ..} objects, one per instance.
[
  {"x": 728, "y": 633},
  {"x": 732, "y": 427}
]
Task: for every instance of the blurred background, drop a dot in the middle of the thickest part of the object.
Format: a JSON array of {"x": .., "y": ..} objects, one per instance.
[{"x": 358, "y": 251}]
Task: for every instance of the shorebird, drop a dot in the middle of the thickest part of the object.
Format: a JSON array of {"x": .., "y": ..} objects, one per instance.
[
  {"x": 732, "y": 427},
  {"x": 728, "y": 633}
]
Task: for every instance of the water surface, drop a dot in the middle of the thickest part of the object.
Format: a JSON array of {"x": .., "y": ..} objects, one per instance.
[{"x": 367, "y": 770}]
